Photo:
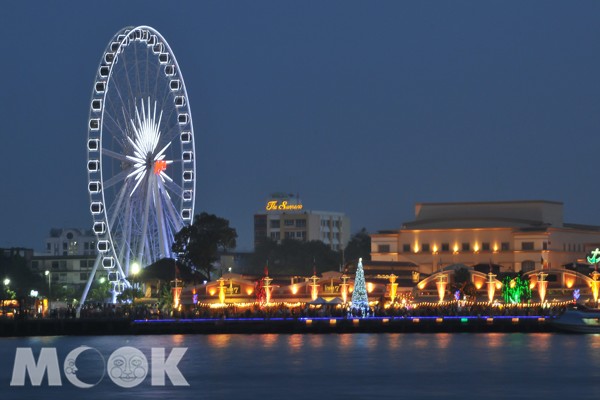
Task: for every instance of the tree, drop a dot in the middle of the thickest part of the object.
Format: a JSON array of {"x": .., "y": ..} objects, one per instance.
[
  {"x": 198, "y": 245},
  {"x": 358, "y": 246},
  {"x": 22, "y": 280},
  {"x": 129, "y": 294},
  {"x": 100, "y": 293},
  {"x": 295, "y": 257},
  {"x": 360, "y": 299}
]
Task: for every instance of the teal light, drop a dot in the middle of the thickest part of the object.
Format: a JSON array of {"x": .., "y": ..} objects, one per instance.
[{"x": 464, "y": 320}]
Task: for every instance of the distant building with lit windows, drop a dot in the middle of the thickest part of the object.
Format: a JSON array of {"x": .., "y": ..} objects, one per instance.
[
  {"x": 69, "y": 257},
  {"x": 285, "y": 217},
  {"x": 508, "y": 236}
]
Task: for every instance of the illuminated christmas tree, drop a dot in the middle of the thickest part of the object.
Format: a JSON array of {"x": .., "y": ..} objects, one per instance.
[{"x": 360, "y": 300}]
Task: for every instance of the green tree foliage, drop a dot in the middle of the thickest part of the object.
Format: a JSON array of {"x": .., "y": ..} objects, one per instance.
[
  {"x": 294, "y": 257},
  {"x": 198, "y": 245},
  {"x": 129, "y": 294},
  {"x": 100, "y": 293},
  {"x": 516, "y": 290},
  {"x": 358, "y": 246},
  {"x": 22, "y": 279}
]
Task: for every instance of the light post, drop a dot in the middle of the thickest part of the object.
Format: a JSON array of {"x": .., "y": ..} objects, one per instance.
[
  {"x": 6, "y": 283},
  {"x": 135, "y": 269}
]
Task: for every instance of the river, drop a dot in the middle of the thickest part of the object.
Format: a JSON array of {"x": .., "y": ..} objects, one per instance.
[{"x": 328, "y": 366}]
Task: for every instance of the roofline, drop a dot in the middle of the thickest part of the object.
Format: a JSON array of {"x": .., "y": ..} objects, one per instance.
[{"x": 491, "y": 202}]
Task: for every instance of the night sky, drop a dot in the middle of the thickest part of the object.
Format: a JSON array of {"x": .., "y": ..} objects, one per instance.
[{"x": 360, "y": 107}]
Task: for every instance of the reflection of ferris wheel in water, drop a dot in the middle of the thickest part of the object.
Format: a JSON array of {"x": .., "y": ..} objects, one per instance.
[{"x": 141, "y": 164}]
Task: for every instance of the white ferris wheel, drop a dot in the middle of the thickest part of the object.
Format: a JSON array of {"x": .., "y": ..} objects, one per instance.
[{"x": 141, "y": 162}]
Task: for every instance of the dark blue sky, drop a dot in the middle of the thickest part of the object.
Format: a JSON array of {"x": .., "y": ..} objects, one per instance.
[{"x": 361, "y": 107}]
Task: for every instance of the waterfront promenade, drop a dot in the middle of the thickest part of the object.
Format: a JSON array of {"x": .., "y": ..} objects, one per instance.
[{"x": 126, "y": 326}]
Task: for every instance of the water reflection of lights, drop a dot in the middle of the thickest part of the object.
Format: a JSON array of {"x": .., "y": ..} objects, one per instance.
[
  {"x": 443, "y": 340},
  {"x": 219, "y": 341},
  {"x": 269, "y": 340},
  {"x": 315, "y": 341},
  {"x": 394, "y": 341},
  {"x": 295, "y": 343}
]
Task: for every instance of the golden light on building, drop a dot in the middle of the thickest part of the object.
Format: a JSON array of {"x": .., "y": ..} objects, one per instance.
[
  {"x": 370, "y": 287},
  {"x": 595, "y": 284},
  {"x": 221, "y": 290},
  {"x": 249, "y": 291},
  {"x": 441, "y": 283},
  {"x": 491, "y": 286},
  {"x": 294, "y": 289},
  {"x": 268, "y": 288},
  {"x": 455, "y": 248},
  {"x": 421, "y": 286},
  {"x": 212, "y": 291},
  {"x": 416, "y": 247},
  {"x": 495, "y": 248},
  {"x": 314, "y": 292},
  {"x": 435, "y": 249},
  {"x": 476, "y": 247},
  {"x": 569, "y": 280},
  {"x": 393, "y": 287},
  {"x": 542, "y": 285},
  {"x": 344, "y": 288}
]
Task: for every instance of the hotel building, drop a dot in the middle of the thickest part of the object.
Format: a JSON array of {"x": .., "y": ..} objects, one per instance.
[
  {"x": 512, "y": 236},
  {"x": 285, "y": 217},
  {"x": 69, "y": 257}
]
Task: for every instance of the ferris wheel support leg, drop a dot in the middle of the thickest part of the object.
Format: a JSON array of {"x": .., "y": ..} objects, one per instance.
[{"x": 88, "y": 284}]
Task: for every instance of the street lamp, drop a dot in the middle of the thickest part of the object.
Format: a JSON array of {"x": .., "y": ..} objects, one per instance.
[
  {"x": 49, "y": 275},
  {"x": 135, "y": 269},
  {"x": 6, "y": 282}
]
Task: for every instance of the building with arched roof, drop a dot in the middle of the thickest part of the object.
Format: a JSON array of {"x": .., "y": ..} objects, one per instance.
[{"x": 511, "y": 236}]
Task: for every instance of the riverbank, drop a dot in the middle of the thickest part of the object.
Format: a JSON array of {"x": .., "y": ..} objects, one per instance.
[{"x": 124, "y": 326}]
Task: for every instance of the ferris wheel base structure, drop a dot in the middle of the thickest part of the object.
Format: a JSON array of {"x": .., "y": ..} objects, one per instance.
[{"x": 141, "y": 156}]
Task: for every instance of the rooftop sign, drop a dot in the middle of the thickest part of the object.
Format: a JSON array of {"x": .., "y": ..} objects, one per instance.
[{"x": 275, "y": 205}]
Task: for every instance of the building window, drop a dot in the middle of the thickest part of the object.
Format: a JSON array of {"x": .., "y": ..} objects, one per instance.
[
  {"x": 275, "y": 223},
  {"x": 445, "y": 247},
  {"x": 505, "y": 246},
  {"x": 383, "y": 248},
  {"x": 288, "y": 222},
  {"x": 34, "y": 264},
  {"x": 300, "y": 223},
  {"x": 275, "y": 235},
  {"x": 406, "y": 248},
  {"x": 485, "y": 246},
  {"x": 544, "y": 245},
  {"x": 527, "y": 246},
  {"x": 83, "y": 276},
  {"x": 527, "y": 266},
  {"x": 425, "y": 247},
  {"x": 54, "y": 264},
  {"x": 466, "y": 247}
]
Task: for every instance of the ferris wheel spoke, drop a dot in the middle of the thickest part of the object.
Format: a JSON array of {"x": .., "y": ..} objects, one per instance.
[
  {"x": 174, "y": 188},
  {"x": 121, "y": 176},
  {"x": 115, "y": 155}
]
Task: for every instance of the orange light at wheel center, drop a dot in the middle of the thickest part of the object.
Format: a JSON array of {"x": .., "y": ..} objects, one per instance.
[{"x": 159, "y": 166}]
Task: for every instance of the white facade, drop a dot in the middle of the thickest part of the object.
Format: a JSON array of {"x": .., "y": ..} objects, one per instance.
[
  {"x": 286, "y": 218},
  {"x": 69, "y": 257},
  {"x": 71, "y": 242},
  {"x": 516, "y": 236}
]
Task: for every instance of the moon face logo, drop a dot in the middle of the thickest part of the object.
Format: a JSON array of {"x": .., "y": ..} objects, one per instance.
[
  {"x": 127, "y": 367},
  {"x": 70, "y": 367}
]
